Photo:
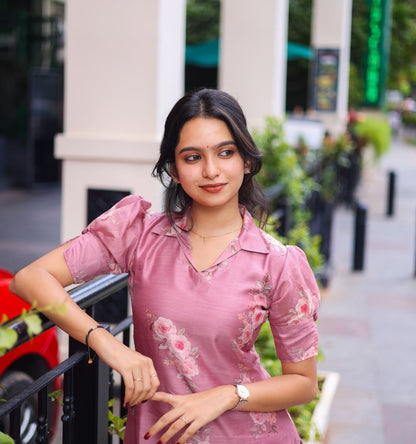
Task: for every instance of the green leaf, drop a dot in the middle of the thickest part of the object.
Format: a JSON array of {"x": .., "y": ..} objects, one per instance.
[
  {"x": 34, "y": 324},
  {"x": 8, "y": 338},
  {"x": 6, "y": 439}
]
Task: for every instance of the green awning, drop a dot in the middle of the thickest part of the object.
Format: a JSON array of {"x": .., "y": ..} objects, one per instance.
[
  {"x": 296, "y": 51},
  {"x": 205, "y": 54}
]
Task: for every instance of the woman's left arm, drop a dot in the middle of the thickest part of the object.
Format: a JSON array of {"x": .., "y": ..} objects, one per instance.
[{"x": 297, "y": 385}]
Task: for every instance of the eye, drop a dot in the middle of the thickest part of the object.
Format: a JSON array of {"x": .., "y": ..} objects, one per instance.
[
  {"x": 192, "y": 158},
  {"x": 226, "y": 153}
]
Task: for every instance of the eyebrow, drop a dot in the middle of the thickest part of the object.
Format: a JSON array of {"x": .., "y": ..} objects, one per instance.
[{"x": 215, "y": 147}]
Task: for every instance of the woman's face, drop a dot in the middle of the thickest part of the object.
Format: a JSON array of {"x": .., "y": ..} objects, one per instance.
[{"x": 208, "y": 164}]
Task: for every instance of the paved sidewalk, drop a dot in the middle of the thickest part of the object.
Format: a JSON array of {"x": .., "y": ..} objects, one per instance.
[{"x": 368, "y": 319}]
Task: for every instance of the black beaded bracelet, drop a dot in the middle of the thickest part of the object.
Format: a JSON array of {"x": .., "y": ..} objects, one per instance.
[{"x": 91, "y": 359}]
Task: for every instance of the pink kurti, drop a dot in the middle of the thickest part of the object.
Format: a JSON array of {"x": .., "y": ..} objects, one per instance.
[{"x": 200, "y": 327}]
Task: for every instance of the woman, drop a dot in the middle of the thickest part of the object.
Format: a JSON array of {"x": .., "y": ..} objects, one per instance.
[{"x": 203, "y": 278}]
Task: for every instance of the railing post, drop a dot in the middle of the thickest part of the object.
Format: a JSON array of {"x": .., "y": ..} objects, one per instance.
[
  {"x": 68, "y": 408},
  {"x": 91, "y": 391},
  {"x": 43, "y": 426},
  {"x": 359, "y": 237}
]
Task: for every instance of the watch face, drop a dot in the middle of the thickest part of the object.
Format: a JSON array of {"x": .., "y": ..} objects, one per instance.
[{"x": 243, "y": 392}]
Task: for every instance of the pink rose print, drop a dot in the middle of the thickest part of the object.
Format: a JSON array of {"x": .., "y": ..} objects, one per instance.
[
  {"x": 305, "y": 306},
  {"x": 264, "y": 422},
  {"x": 246, "y": 334},
  {"x": 179, "y": 349},
  {"x": 189, "y": 367},
  {"x": 179, "y": 346},
  {"x": 299, "y": 354},
  {"x": 163, "y": 328},
  {"x": 257, "y": 311}
]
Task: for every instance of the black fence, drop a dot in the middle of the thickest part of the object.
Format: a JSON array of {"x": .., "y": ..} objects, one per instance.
[{"x": 86, "y": 389}]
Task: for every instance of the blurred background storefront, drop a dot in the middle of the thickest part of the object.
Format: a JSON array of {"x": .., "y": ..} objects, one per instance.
[{"x": 31, "y": 90}]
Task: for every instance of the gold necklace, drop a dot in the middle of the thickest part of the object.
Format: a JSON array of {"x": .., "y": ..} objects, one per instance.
[{"x": 209, "y": 236}]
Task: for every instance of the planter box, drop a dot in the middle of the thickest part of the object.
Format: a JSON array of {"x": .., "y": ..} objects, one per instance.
[{"x": 320, "y": 416}]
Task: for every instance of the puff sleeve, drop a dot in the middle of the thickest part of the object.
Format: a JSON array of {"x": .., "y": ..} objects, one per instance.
[
  {"x": 108, "y": 243},
  {"x": 293, "y": 311}
]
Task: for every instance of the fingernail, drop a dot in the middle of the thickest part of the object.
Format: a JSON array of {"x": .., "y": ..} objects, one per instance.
[{"x": 147, "y": 436}]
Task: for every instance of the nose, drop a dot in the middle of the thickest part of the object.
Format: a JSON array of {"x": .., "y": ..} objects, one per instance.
[{"x": 210, "y": 169}]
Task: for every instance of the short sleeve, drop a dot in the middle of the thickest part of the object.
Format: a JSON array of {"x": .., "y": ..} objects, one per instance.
[
  {"x": 108, "y": 243},
  {"x": 293, "y": 311}
]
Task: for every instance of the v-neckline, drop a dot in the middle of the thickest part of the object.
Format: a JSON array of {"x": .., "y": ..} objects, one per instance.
[{"x": 232, "y": 247}]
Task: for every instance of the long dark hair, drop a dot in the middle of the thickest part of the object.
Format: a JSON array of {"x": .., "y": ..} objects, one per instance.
[{"x": 210, "y": 103}]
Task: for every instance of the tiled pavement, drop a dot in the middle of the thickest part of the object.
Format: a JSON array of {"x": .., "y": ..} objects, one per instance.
[{"x": 367, "y": 319}]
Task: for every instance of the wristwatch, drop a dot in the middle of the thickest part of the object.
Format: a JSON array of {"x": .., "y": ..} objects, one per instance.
[{"x": 242, "y": 393}]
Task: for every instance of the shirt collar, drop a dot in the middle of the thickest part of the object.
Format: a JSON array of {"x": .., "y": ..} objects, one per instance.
[{"x": 250, "y": 239}]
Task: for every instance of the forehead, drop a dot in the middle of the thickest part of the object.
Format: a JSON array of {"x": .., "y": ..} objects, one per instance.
[{"x": 205, "y": 131}]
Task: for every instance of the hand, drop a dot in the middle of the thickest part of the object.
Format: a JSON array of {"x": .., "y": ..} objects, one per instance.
[
  {"x": 191, "y": 412},
  {"x": 138, "y": 372}
]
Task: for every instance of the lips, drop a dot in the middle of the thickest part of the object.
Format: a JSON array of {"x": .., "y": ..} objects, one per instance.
[{"x": 213, "y": 188}]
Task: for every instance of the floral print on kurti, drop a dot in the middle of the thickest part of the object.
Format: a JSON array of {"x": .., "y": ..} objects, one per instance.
[{"x": 178, "y": 348}]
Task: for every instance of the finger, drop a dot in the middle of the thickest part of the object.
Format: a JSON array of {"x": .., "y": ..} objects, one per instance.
[
  {"x": 189, "y": 432},
  {"x": 164, "y": 397},
  {"x": 165, "y": 420},
  {"x": 129, "y": 386},
  {"x": 176, "y": 426},
  {"x": 133, "y": 389}
]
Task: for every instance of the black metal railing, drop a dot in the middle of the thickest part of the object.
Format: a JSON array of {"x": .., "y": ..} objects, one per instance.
[{"x": 86, "y": 387}]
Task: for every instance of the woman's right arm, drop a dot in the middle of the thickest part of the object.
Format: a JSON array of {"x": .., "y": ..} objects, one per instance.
[{"x": 42, "y": 282}]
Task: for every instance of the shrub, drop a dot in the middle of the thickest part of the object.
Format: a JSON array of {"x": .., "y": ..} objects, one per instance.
[{"x": 376, "y": 132}]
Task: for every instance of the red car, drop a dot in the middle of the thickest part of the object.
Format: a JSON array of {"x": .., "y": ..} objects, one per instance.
[{"x": 21, "y": 366}]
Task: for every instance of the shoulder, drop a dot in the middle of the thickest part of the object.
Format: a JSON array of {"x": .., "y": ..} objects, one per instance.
[{"x": 131, "y": 210}]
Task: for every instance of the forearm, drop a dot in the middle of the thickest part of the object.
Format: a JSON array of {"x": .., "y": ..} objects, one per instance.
[
  {"x": 38, "y": 287},
  {"x": 279, "y": 392},
  {"x": 297, "y": 385}
]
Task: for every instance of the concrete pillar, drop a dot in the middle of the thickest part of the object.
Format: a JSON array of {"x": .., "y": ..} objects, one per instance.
[
  {"x": 253, "y": 56},
  {"x": 124, "y": 69},
  {"x": 331, "y": 29}
]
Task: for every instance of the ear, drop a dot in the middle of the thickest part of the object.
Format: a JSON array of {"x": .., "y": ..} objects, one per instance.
[
  {"x": 247, "y": 167},
  {"x": 173, "y": 173}
]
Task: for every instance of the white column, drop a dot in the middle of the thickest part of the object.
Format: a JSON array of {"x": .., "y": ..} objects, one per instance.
[
  {"x": 124, "y": 69},
  {"x": 331, "y": 29},
  {"x": 253, "y": 56}
]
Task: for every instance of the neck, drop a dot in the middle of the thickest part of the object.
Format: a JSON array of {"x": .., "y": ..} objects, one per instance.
[{"x": 212, "y": 221}]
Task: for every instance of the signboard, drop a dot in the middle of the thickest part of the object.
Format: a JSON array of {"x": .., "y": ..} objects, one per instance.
[
  {"x": 325, "y": 80},
  {"x": 377, "y": 51}
]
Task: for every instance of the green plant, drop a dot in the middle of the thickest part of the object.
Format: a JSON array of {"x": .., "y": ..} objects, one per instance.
[
  {"x": 376, "y": 131},
  {"x": 282, "y": 164},
  {"x": 334, "y": 154},
  {"x": 116, "y": 424},
  {"x": 6, "y": 439},
  {"x": 409, "y": 119},
  {"x": 8, "y": 337}
]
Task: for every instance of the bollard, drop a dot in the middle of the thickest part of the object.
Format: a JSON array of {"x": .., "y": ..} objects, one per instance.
[
  {"x": 359, "y": 237},
  {"x": 391, "y": 193},
  {"x": 414, "y": 271}
]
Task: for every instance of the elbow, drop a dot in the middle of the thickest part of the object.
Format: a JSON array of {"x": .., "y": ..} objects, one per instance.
[
  {"x": 12, "y": 286},
  {"x": 312, "y": 391},
  {"x": 16, "y": 285}
]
